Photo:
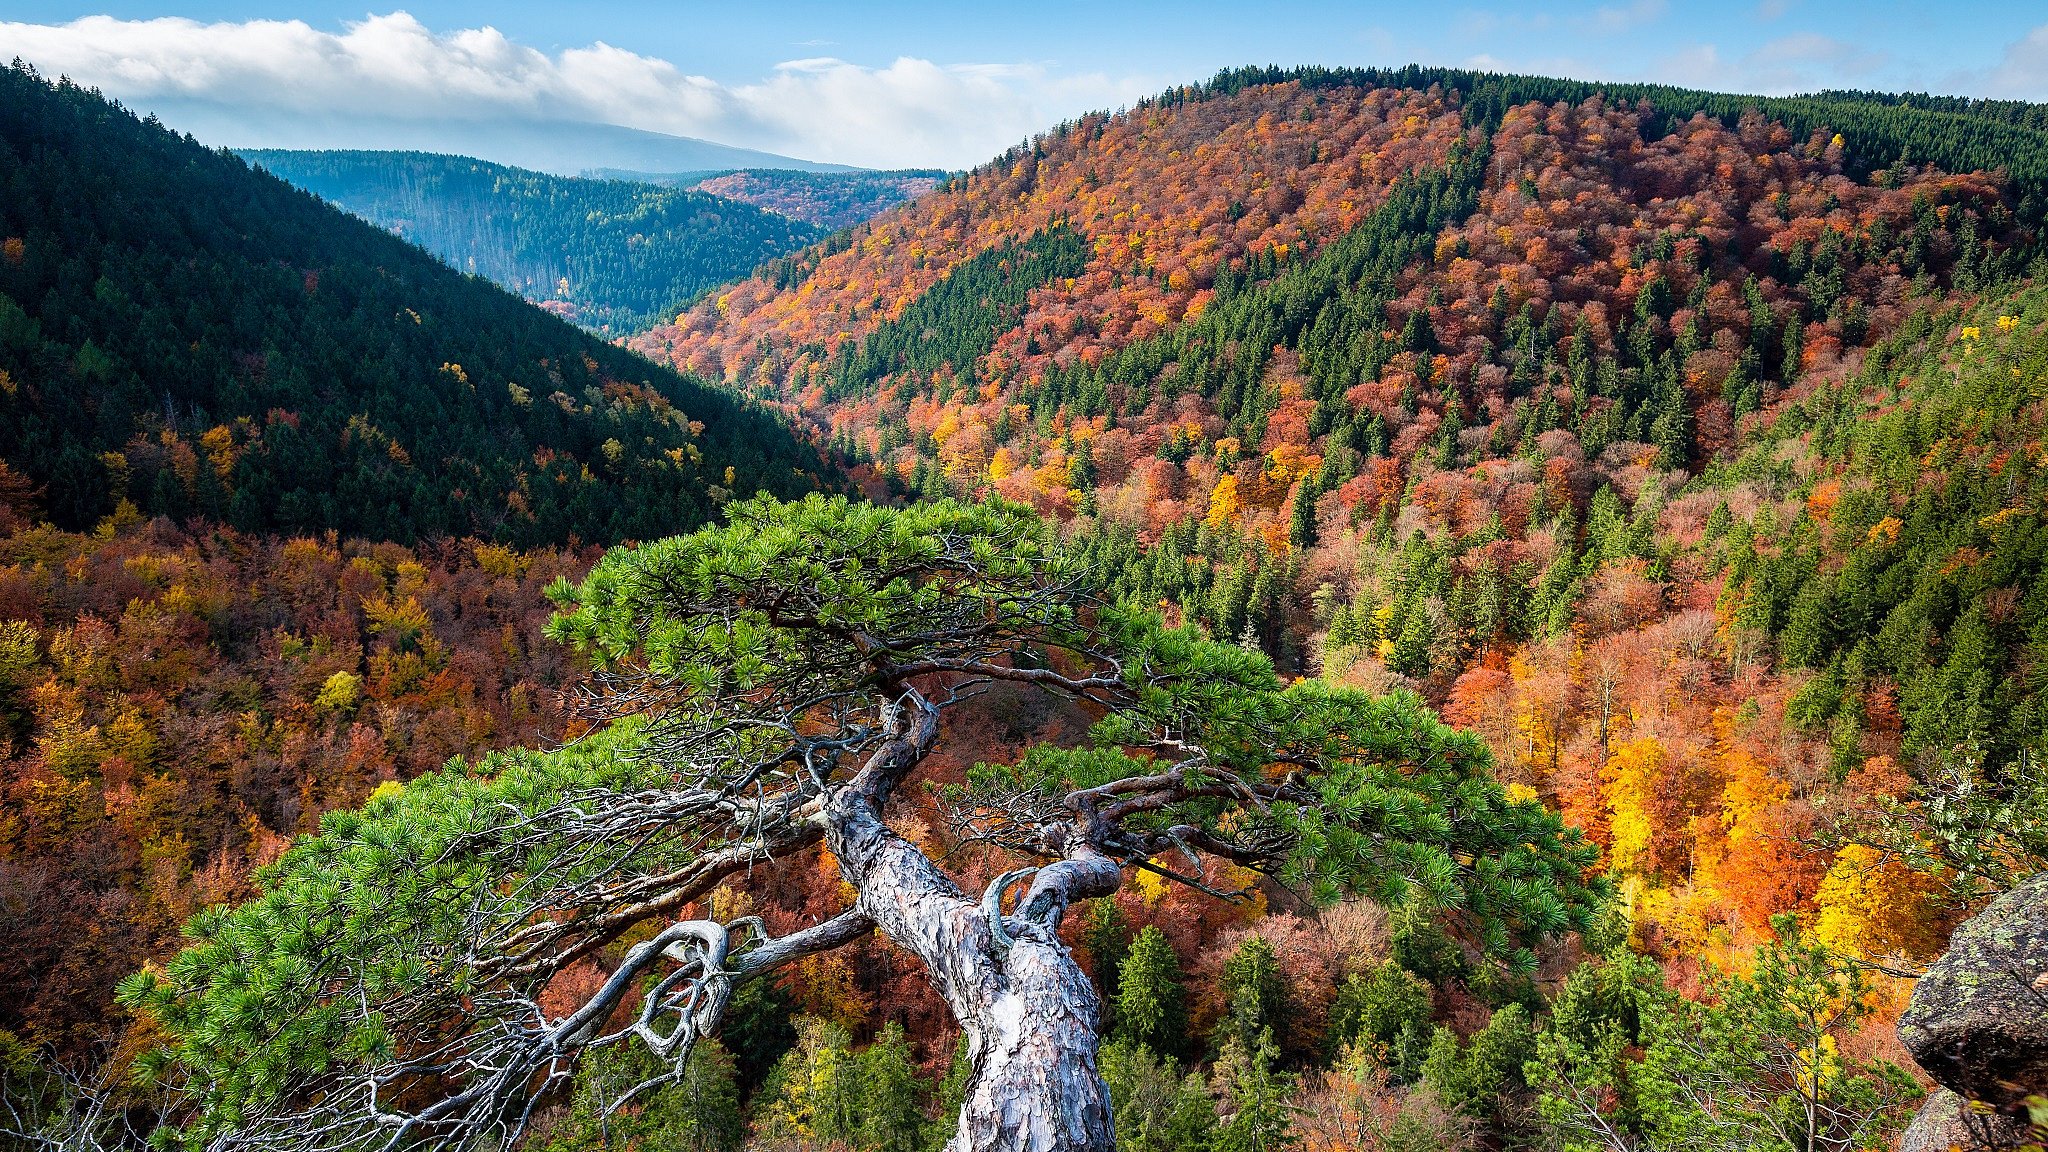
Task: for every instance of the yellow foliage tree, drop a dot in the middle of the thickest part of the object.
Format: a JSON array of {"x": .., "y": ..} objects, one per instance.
[
  {"x": 1872, "y": 906},
  {"x": 1001, "y": 464},
  {"x": 1629, "y": 782},
  {"x": 1224, "y": 504}
]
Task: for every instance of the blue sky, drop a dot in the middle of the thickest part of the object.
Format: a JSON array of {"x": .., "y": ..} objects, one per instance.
[{"x": 945, "y": 84}]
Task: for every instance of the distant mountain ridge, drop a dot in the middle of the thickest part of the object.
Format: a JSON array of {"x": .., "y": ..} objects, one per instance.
[
  {"x": 558, "y": 147},
  {"x": 609, "y": 254},
  {"x": 832, "y": 200},
  {"x": 185, "y": 335}
]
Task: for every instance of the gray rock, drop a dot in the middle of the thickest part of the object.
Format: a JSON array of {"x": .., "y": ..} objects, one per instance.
[
  {"x": 1942, "y": 1126},
  {"x": 1978, "y": 1022}
]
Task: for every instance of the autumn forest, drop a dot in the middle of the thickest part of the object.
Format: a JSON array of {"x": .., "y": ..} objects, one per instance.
[{"x": 1554, "y": 578}]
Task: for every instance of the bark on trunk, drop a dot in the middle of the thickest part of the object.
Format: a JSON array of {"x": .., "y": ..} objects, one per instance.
[{"x": 1030, "y": 1014}]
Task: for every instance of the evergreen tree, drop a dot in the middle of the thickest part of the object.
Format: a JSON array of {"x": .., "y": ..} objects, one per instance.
[
  {"x": 417, "y": 902},
  {"x": 1386, "y": 1009},
  {"x": 891, "y": 1116},
  {"x": 1756, "y": 1063},
  {"x": 950, "y": 1095},
  {"x": 1478, "y": 1077},
  {"x": 1150, "y": 1005},
  {"x": 698, "y": 1111},
  {"x": 1107, "y": 937},
  {"x": 1256, "y": 992},
  {"x": 1261, "y": 1119},
  {"x": 1157, "y": 1108}
]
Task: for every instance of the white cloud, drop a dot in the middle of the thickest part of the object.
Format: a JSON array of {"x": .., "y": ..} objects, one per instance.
[
  {"x": 1605, "y": 20},
  {"x": 1615, "y": 19},
  {"x": 2023, "y": 73},
  {"x": 909, "y": 113},
  {"x": 1802, "y": 62}
]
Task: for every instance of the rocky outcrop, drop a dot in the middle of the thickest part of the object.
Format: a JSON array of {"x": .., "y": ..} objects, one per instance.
[
  {"x": 1979, "y": 1025},
  {"x": 1978, "y": 1022},
  {"x": 1945, "y": 1123}
]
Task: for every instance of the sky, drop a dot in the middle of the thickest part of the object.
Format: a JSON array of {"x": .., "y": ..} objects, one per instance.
[{"x": 941, "y": 84}]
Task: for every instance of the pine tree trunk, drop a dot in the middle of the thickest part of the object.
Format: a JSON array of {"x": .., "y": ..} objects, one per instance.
[{"x": 1030, "y": 1014}]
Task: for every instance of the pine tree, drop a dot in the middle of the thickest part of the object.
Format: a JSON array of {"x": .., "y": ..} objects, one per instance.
[
  {"x": 1386, "y": 1009},
  {"x": 698, "y": 1111},
  {"x": 705, "y": 1104},
  {"x": 1261, "y": 1120},
  {"x": 950, "y": 1095},
  {"x": 1794, "y": 335},
  {"x": 1106, "y": 936},
  {"x": 891, "y": 1119},
  {"x": 1301, "y": 517},
  {"x": 1477, "y": 1078},
  {"x": 1151, "y": 1004},
  {"x": 1156, "y": 1107},
  {"x": 1256, "y": 992},
  {"x": 1755, "y": 1063}
]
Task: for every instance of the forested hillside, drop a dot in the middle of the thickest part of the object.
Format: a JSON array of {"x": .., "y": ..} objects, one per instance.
[
  {"x": 198, "y": 339},
  {"x": 1680, "y": 445},
  {"x": 612, "y": 255},
  {"x": 237, "y": 430},
  {"x": 176, "y": 705}
]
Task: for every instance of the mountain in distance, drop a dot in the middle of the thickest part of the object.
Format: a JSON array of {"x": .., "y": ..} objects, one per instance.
[
  {"x": 608, "y": 254},
  {"x": 559, "y": 147},
  {"x": 193, "y": 338},
  {"x": 831, "y": 200}
]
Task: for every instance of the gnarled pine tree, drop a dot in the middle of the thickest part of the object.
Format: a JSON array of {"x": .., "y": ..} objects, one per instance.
[{"x": 772, "y": 684}]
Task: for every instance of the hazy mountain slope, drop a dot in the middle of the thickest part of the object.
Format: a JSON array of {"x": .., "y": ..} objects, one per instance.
[
  {"x": 605, "y": 253},
  {"x": 830, "y": 200},
  {"x": 560, "y": 147},
  {"x": 205, "y": 340}
]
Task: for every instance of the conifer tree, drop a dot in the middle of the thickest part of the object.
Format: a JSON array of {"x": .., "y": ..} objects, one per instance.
[
  {"x": 1756, "y": 1063},
  {"x": 1256, "y": 1093},
  {"x": 1386, "y": 1009},
  {"x": 1256, "y": 991},
  {"x": 1151, "y": 1003},
  {"x": 891, "y": 1117},
  {"x": 1477, "y": 1076},
  {"x": 1157, "y": 1107},
  {"x": 950, "y": 1094},
  {"x": 1107, "y": 937}
]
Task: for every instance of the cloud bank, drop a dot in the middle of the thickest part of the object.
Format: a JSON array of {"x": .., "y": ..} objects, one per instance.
[
  {"x": 2023, "y": 73},
  {"x": 912, "y": 113}
]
